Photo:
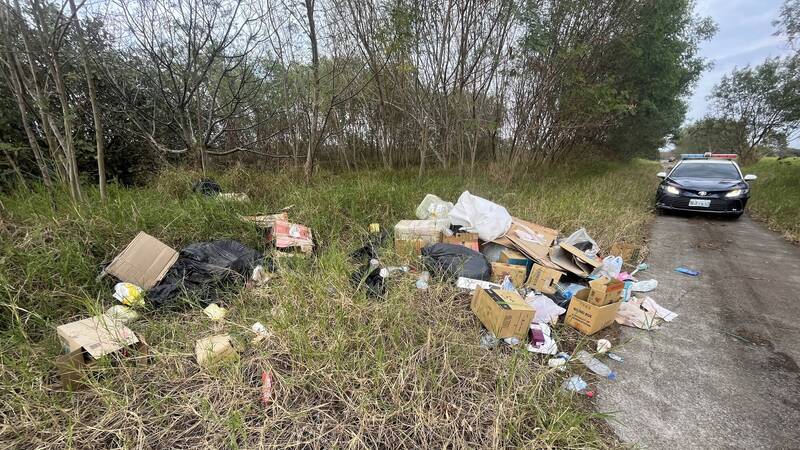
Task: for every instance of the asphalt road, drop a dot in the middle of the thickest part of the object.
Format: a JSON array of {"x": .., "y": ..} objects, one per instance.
[{"x": 724, "y": 373}]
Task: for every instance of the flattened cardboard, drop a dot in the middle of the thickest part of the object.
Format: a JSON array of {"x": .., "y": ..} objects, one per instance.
[
  {"x": 504, "y": 313},
  {"x": 265, "y": 221},
  {"x": 623, "y": 250},
  {"x": 98, "y": 336},
  {"x": 569, "y": 258},
  {"x": 469, "y": 240},
  {"x": 517, "y": 273},
  {"x": 588, "y": 318},
  {"x": 604, "y": 291},
  {"x": 543, "y": 279},
  {"x": 144, "y": 262},
  {"x": 537, "y": 251}
]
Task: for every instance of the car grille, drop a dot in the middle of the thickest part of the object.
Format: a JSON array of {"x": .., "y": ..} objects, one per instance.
[
  {"x": 717, "y": 204},
  {"x": 709, "y": 194}
]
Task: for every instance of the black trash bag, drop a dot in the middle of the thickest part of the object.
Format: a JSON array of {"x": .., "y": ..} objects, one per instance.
[
  {"x": 453, "y": 261},
  {"x": 368, "y": 277},
  {"x": 371, "y": 247},
  {"x": 202, "y": 269},
  {"x": 207, "y": 187}
]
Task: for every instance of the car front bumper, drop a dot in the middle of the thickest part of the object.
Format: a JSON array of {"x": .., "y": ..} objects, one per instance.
[{"x": 717, "y": 206}]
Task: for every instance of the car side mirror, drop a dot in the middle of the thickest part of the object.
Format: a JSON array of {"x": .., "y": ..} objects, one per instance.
[
  {"x": 750, "y": 177},
  {"x": 664, "y": 175}
]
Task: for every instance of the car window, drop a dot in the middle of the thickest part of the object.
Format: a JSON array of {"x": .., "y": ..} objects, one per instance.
[{"x": 710, "y": 170}]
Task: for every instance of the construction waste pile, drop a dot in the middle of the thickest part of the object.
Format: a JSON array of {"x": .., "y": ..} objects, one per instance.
[{"x": 523, "y": 279}]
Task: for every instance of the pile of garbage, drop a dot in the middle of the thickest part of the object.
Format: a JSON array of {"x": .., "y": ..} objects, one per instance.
[
  {"x": 153, "y": 276},
  {"x": 524, "y": 277}
]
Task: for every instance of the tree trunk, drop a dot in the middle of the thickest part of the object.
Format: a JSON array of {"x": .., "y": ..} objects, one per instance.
[
  {"x": 313, "y": 139},
  {"x": 98, "y": 125},
  {"x": 17, "y": 87}
]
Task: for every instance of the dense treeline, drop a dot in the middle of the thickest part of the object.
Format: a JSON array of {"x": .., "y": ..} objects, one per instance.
[{"x": 126, "y": 86}]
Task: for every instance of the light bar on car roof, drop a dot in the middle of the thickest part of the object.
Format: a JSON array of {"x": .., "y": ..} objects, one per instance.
[
  {"x": 708, "y": 155},
  {"x": 693, "y": 156}
]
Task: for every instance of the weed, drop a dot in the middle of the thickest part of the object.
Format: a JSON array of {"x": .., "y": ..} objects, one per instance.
[{"x": 774, "y": 196}]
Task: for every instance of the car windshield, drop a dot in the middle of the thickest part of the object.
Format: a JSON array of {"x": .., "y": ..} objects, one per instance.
[{"x": 709, "y": 170}]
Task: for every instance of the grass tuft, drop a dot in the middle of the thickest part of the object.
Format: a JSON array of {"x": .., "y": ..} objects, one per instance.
[{"x": 774, "y": 196}]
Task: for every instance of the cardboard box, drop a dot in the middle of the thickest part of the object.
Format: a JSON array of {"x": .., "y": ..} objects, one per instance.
[
  {"x": 588, "y": 318},
  {"x": 510, "y": 256},
  {"x": 603, "y": 291},
  {"x": 571, "y": 259},
  {"x": 469, "y": 240},
  {"x": 517, "y": 273},
  {"x": 285, "y": 235},
  {"x": 410, "y": 236},
  {"x": 144, "y": 262},
  {"x": 85, "y": 341},
  {"x": 543, "y": 279},
  {"x": 531, "y": 239},
  {"x": 504, "y": 313},
  {"x": 624, "y": 250}
]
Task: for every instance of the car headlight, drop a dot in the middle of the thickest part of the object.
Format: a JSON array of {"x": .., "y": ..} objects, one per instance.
[
  {"x": 672, "y": 190},
  {"x": 734, "y": 193}
]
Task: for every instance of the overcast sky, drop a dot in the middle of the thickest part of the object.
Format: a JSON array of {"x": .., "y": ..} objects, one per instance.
[{"x": 745, "y": 36}]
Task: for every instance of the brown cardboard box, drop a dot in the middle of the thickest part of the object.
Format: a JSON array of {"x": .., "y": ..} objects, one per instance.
[
  {"x": 604, "y": 291},
  {"x": 469, "y": 240},
  {"x": 536, "y": 249},
  {"x": 588, "y": 318},
  {"x": 85, "y": 341},
  {"x": 623, "y": 250},
  {"x": 144, "y": 262},
  {"x": 517, "y": 273},
  {"x": 504, "y": 313},
  {"x": 543, "y": 279},
  {"x": 510, "y": 256},
  {"x": 571, "y": 259}
]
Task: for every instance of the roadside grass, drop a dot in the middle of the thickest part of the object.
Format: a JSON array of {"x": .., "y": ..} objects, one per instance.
[
  {"x": 404, "y": 372},
  {"x": 775, "y": 196}
]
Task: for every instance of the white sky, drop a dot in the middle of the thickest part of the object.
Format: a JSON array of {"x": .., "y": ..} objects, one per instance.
[{"x": 745, "y": 36}]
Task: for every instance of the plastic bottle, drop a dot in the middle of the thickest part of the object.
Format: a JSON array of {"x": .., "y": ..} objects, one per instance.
[
  {"x": 595, "y": 365},
  {"x": 391, "y": 270},
  {"x": 423, "y": 280}
]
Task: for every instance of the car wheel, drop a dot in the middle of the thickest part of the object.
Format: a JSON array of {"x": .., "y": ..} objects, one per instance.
[{"x": 735, "y": 216}]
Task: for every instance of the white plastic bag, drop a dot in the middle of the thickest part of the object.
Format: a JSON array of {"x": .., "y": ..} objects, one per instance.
[
  {"x": 644, "y": 286},
  {"x": 582, "y": 236},
  {"x": 433, "y": 207},
  {"x": 546, "y": 309},
  {"x": 611, "y": 267},
  {"x": 478, "y": 215}
]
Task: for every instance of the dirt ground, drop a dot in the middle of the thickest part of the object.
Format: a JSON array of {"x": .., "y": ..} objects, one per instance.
[{"x": 724, "y": 374}]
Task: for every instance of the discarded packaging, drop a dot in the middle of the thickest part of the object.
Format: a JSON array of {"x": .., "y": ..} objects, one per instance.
[
  {"x": 85, "y": 341},
  {"x": 424, "y": 280},
  {"x": 504, "y": 313},
  {"x": 234, "y": 196},
  {"x": 541, "y": 340},
  {"x": 469, "y": 240},
  {"x": 265, "y": 221},
  {"x": 410, "y": 236},
  {"x": 478, "y": 215},
  {"x": 285, "y": 235},
  {"x": 575, "y": 384},
  {"x": 615, "y": 357},
  {"x": 129, "y": 294},
  {"x": 546, "y": 310},
  {"x": 604, "y": 291},
  {"x": 213, "y": 349},
  {"x": 266, "y": 387},
  {"x": 215, "y": 312},
  {"x": 632, "y": 315},
  {"x": 532, "y": 240},
  {"x": 595, "y": 365},
  {"x": 453, "y": 261},
  {"x": 580, "y": 238},
  {"x": 143, "y": 262},
  {"x": 623, "y": 250},
  {"x": 611, "y": 267},
  {"x": 661, "y": 312},
  {"x": 472, "y": 284},
  {"x": 489, "y": 340},
  {"x": 260, "y": 332},
  {"x": 121, "y": 313},
  {"x": 433, "y": 207},
  {"x": 514, "y": 257},
  {"x": 501, "y": 270},
  {"x": 588, "y": 318},
  {"x": 387, "y": 272},
  {"x": 687, "y": 271},
  {"x": 644, "y": 286},
  {"x": 603, "y": 345},
  {"x": 573, "y": 259},
  {"x": 543, "y": 279}
]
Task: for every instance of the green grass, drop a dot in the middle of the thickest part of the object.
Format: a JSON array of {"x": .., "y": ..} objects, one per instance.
[
  {"x": 775, "y": 196},
  {"x": 349, "y": 371}
]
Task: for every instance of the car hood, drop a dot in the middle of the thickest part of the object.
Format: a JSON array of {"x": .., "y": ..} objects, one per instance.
[{"x": 706, "y": 184}]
